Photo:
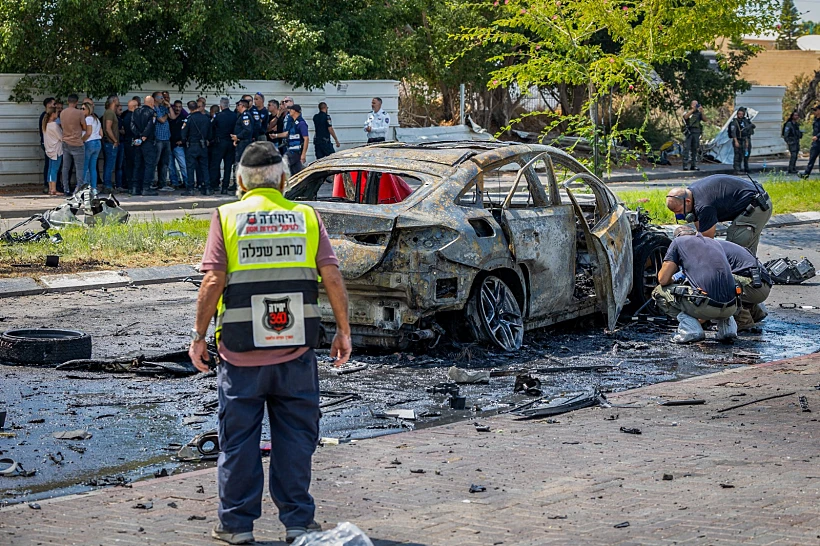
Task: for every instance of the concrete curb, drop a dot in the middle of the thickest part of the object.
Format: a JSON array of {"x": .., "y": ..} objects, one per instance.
[{"x": 92, "y": 280}]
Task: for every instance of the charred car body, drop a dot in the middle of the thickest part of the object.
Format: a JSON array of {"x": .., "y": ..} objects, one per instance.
[{"x": 475, "y": 238}]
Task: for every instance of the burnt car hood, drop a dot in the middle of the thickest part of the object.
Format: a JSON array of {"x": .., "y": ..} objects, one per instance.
[{"x": 359, "y": 234}]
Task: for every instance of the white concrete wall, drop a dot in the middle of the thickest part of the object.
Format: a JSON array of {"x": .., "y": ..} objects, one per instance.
[
  {"x": 768, "y": 101},
  {"x": 21, "y": 160}
]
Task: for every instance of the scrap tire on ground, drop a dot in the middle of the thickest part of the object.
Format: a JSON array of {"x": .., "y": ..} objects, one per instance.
[
  {"x": 44, "y": 346},
  {"x": 648, "y": 250}
]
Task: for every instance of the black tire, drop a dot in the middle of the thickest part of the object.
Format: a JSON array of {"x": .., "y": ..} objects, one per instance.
[
  {"x": 44, "y": 346},
  {"x": 648, "y": 251},
  {"x": 494, "y": 314}
]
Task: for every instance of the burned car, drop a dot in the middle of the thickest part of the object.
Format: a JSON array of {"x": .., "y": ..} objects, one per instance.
[{"x": 481, "y": 240}]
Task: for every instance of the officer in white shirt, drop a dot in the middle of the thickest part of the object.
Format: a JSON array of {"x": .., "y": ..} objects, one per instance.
[{"x": 378, "y": 122}]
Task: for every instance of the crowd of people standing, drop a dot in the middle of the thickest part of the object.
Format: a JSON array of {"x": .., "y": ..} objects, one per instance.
[{"x": 154, "y": 145}]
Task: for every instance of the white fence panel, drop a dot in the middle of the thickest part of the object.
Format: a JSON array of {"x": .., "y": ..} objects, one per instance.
[{"x": 21, "y": 160}]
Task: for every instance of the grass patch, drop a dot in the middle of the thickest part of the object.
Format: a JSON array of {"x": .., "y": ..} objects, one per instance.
[
  {"x": 115, "y": 246},
  {"x": 788, "y": 195}
]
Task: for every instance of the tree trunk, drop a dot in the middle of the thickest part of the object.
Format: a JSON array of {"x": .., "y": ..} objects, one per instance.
[{"x": 809, "y": 96}]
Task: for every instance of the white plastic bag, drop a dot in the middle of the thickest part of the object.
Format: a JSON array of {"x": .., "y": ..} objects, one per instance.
[
  {"x": 727, "y": 328},
  {"x": 344, "y": 534},
  {"x": 689, "y": 329}
]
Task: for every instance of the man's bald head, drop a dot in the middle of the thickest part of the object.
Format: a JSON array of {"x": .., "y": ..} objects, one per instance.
[
  {"x": 681, "y": 231},
  {"x": 149, "y": 101},
  {"x": 677, "y": 199}
]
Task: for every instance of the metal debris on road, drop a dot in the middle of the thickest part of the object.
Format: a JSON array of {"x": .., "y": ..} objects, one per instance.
[
  {"x": 795, "y": 306},
  {"x": 622, "y": 525},
  {"x": 788, "y": 271},
  {"x": 407, "y": 414},
  {"x": 529, "y": 385},
  {"x": 804, "y": 404},
  {"x": 667, "y": 477},
  {"x": 34, "y": 506},
  {"x": 558, "y": 406},
  {"x": 757, "y": 401},
  {"x": 197, "y": 518},
  {"x": 727, "y": 486},
  {"x": 481, "y": 428},
  {"x": 460, "y": 375},
  {"x": 627, "y": 430},
  {"x": 477, "y": 488},
  {"x": 73, "y": 435},
  {"x": 144, "y": 505},
  {"x": 417, "y": 471},
  {"x": 687, "y": 402}
]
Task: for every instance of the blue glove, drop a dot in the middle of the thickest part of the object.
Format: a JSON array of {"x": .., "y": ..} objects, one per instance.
[{"x": 678, "y": 277}]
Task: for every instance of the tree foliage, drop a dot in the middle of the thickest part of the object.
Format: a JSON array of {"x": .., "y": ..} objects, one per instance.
[
  {"x": 788, "y": 27},
  {"x": 694, "y": 77},
  {"x": 101, "y": 47},
  {"x": 606, "y": 45}
]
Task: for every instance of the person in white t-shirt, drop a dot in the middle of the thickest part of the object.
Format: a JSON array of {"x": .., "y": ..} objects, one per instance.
[
  {"x": 93, "y": 144},
  {"x": 53, "y": 146}
]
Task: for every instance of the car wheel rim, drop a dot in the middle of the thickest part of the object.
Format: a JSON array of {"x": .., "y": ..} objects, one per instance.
[
  {"x": 651, "y": 270},
  {"x": 501, "y": 315}
]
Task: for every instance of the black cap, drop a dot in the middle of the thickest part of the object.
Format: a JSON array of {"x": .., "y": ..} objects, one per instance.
[
  {"x": 297, "y": 108},
  {"x": 260, "y": 154}
]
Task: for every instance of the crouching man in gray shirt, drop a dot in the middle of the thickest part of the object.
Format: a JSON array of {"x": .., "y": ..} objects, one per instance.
[{"x": 696, "y": 285}]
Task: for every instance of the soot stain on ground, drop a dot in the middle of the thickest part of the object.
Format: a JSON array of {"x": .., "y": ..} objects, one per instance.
[{"x": 135, "y": 420}]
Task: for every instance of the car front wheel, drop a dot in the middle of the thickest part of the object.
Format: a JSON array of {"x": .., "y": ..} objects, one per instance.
[{"x": 495, "y": 315}]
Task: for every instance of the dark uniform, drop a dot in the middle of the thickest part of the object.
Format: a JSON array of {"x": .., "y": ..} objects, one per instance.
[
  {"x": 814, "y": 152},
  {"x": 297, "y": 131},
  {"x": 753, "y": 279},
  {"x": 792, "y": 135},
  {"x": 222, "y": 148},
  {"x": 742, "y": 129},
  {"x": 322, "y": 144},
  {"x": 694, "y": 128},
  {"x": 196, "y": 133},
  {"x": 145, "y": 156},
  {"x": 127, "y": 143},
  {"x": 260, "y": 120},
  {"x": 724, "y": 198},
  {"x": 243, "y": 129}
]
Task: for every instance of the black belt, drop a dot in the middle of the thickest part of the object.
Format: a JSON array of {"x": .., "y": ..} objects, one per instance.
[{"x": 713, "y": 303}]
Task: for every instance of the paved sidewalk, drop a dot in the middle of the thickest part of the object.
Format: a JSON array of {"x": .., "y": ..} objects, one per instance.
[
  {"x": 675, "y": 171},
  {"x": 745, "y": 476}
]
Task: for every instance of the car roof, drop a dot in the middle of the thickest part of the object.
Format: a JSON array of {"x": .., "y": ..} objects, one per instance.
[{"x": 446, "y": 153}]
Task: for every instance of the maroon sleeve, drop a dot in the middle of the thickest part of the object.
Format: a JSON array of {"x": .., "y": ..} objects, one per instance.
[
  {"x": 215, "y": 258},
  {"x": 324, "y": 255}
]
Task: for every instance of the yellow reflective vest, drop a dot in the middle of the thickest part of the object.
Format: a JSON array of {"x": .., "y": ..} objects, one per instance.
[{"x": 272, "y": 288}]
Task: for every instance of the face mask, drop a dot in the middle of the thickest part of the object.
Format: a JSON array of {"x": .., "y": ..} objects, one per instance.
[{"x": 680, "y": 217}]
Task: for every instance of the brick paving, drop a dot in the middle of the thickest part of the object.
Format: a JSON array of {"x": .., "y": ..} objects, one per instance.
[{"x": 568, "y": 482}]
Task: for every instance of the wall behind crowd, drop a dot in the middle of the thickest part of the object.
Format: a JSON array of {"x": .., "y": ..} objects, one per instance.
[{"x": 21, "y": 160}]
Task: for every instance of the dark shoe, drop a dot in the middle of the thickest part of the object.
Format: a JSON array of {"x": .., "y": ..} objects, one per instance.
[
  {"x": 802, "y": 175},
  {"x": 223, "y": 192},
  {"x": 292, "y": 533},
  {"x": 167, "y": 188},
  {"x": 695, "y": 168},
  {"x": 150, "y": 192},
  {"x": 232, "y": 188},
  {"x": 209, "y": 191},
  {"x": 686, "y": 168},
  {"x": 231, "y": 538},
  {"x": 107, "y": 189},
  {"x": 187, "y": 193}
]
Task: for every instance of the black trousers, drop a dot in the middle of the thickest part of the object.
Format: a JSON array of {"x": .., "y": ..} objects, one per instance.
[
  {"x": 145, "y": 161},
  {"x": 793, "y": 151},
  {"x": 323, "y": 148},
  {"x": 240, "y": 149},
  {"x": 742, "y": 153},
  {"x": 222, "y": 151},
  {"x": 814, "y": 152},
  {"x": 196, "y": 163},
  {"x": 690, "y": 149},
  {"x": 128, "y": 165}
]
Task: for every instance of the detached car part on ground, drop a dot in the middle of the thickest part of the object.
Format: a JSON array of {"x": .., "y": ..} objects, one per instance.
[{"x": 483, "y": 240}]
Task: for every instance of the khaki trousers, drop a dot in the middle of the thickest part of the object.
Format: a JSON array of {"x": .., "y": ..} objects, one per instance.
[
  {"x": 745, "y": 230},
  {"x": 672, "y": 304}
]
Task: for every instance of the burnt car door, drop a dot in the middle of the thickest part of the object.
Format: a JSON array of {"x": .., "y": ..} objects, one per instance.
[
  {"x": 541, "y": 237},
  {"x": 607, "y": 231}
]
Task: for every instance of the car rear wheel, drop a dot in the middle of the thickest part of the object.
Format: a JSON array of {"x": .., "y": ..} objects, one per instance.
[{"x": 495, "y": 314}]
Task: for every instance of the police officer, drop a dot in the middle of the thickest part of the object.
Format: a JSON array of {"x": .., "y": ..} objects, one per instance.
[
  {"x": 693, "y": 120},
  {"x": 696, "y": 283},
  {"x": 754, "y": 281},
  {"x": 196, "y": 133},
  {"x": 262, "y": 262},
  {"x": 741, "y": 130},
  {"x": 261, "y": 116},
  {"x": 724, "y": 198},
  {"x": 243, "y": 130},
  {"x": 814, "y": 152},
  {"x": 222, "y": 149},
  {"x": 297, "y": 138},
  {"x": 377, "y": 123},
  {"x": 323, "y": 126},
  {"x": 792, "y": 135}
]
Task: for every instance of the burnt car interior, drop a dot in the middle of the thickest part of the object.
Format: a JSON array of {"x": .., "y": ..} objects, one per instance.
[{"x": 356, "y": 186}]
